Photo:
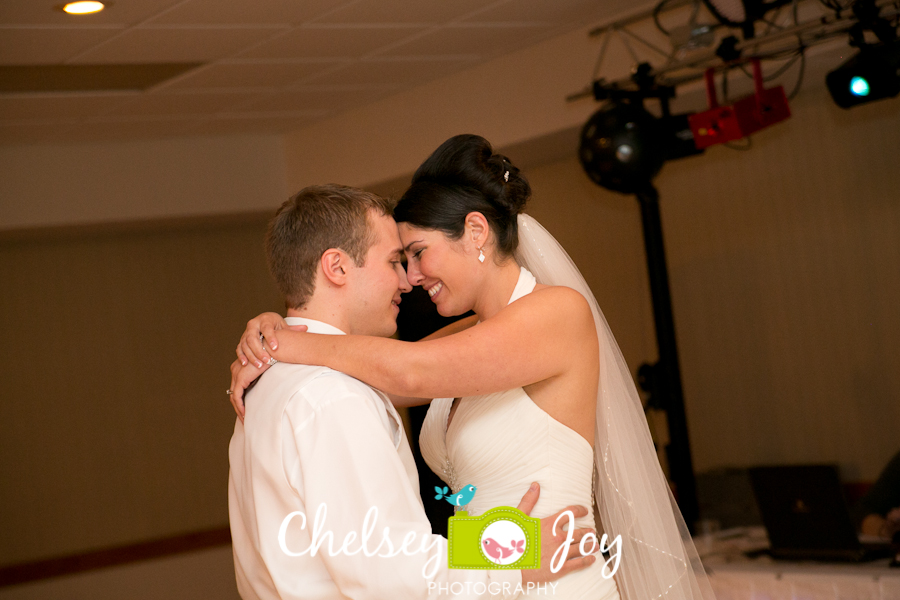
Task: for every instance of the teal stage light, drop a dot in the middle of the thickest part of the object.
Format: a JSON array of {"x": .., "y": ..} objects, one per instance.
[
  {"x": 859, "y": 86},
  {"x": 869, "y": 76}
]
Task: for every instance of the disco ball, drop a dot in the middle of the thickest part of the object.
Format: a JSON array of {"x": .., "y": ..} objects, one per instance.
[{"x": 622, "y": 147}]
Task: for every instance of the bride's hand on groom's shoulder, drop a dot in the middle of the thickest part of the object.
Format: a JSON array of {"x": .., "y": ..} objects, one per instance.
[
  {"x": 252, "y": 357},
  {"x": 242, "y": 377},
  {"x": 552, "y": 537},
  {"x": 260, "y": 332}
]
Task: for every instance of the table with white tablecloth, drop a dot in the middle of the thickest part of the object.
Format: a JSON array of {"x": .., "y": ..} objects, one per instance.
[{"x": 735, "y": 577}]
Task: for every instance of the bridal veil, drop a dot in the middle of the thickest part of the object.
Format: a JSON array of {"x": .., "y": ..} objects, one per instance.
[{"x": 658, "y": 557}]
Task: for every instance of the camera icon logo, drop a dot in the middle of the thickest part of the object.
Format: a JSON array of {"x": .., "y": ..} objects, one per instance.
[{"x": 501, "y": 538}]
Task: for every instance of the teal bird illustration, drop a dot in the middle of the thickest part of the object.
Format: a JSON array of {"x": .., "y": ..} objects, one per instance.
[{"x": 463, "y": 497}]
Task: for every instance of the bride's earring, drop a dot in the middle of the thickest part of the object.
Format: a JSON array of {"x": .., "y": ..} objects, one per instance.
[{"x": 480, "y": 255}]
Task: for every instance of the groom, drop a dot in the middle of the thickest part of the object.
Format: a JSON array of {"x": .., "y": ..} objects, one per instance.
[{"x": 323, "y": 490}]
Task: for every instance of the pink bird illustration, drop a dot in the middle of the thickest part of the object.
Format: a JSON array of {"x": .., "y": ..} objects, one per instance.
[{"x": 493, "y": 549}]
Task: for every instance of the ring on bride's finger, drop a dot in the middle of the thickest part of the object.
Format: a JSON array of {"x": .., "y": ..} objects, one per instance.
[
  {"x": 229, "y": 392},
  {"x": 272, "y": 361}
]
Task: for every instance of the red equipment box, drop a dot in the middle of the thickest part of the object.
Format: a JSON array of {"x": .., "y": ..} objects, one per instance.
[{"x": 748, "y": 115}]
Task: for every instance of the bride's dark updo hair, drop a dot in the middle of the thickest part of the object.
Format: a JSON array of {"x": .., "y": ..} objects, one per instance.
[{"x": 464, "y": 175}]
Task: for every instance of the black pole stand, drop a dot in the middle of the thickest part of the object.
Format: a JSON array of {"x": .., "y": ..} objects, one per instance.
[{"x": 668, "y": 373}]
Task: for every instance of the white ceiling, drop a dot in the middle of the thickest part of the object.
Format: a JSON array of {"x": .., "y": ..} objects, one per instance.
[{"x": 270, "y": 66}]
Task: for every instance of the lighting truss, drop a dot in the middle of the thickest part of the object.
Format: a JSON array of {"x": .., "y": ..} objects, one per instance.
[{"x": 694, "y": 41}]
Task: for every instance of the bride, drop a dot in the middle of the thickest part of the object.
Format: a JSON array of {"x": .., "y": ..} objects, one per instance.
[{"x": 536, "y": 390}]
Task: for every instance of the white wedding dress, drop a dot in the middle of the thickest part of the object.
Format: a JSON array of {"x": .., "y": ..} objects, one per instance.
[{"x": 501, "y": 443}]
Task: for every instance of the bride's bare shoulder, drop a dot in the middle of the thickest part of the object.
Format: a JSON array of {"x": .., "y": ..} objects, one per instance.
[
  {"x": 559, "y": 301},
  {"x": 559, "y": 294}
]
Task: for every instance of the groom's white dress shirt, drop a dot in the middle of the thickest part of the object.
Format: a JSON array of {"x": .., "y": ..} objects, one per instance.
[{"x": 313, "y": 436}]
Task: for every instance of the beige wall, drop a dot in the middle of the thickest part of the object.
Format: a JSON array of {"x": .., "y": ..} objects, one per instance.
[
  {"x": 116, "y": 424},
  {"x": 47, "y": 185},
  {"x": 117, "y": 428},
  {"x": 785, "y": 271}
]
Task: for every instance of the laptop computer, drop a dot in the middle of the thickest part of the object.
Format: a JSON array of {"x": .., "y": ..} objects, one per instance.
[{"x": 806, "y": 516}]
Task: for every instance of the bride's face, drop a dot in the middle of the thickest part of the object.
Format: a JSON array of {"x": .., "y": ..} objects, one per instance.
[{"x": 445, "y": 268}]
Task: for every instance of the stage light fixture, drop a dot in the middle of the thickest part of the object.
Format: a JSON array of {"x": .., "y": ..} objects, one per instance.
[
  {"x": 872, "y": 74},
  {"x": 742, "y": 13}
]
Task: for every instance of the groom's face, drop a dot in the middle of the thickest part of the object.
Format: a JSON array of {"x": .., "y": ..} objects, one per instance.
[{"x": 378, "y": 284}]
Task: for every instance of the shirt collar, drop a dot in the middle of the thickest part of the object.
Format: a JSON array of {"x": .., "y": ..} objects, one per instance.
[{"x": 314, "y": 326}]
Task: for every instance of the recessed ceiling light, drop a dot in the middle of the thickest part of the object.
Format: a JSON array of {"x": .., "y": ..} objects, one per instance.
[{"x": 83, "y": 8}]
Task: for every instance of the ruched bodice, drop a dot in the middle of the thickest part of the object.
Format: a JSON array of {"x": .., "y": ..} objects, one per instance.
[{"x": 501, "y": 443}]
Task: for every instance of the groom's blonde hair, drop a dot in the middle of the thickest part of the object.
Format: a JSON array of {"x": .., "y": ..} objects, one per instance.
[{"x": 316, "y": 219}]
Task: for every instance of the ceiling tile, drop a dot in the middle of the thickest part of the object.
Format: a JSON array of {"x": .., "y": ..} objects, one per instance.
[
  {"x": 180, "y": 104},
  {"x": 271, "y": 65},
  {"x": 351, "y": 42},
  {"x": 252, "y": 75},
  {"x": 403, "y": 11},
  {"x": 37, "y": 46},
  {"x": 336, "y": 98},
  {"x": 399, "y": 72},
  {"x": 257, "y": 11},
  {"x": 174, "y": 45},
  {"x": 44, "y": 12},
  {"x": 555, "y": 12},
  {"x": 482, "y": 40},
  {"x": 33, "y": 106}
]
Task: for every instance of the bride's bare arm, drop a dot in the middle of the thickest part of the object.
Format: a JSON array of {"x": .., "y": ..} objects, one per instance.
[
  {"x": 266, "y": 326},
  {"x": 535, "y": 338},
  {"x": 455, "y": 327}
]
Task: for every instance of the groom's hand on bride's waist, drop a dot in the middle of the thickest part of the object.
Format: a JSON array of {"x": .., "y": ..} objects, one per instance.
[{"x": 551, "y": 541}]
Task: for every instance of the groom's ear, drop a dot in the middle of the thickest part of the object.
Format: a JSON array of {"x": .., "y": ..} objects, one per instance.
[{"x": 335, "y": 266}]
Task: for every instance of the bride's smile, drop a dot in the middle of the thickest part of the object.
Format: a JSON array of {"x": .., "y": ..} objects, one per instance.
[
  {"x": 450, "y": 269},
  {"x": 437, "y": 264}
]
